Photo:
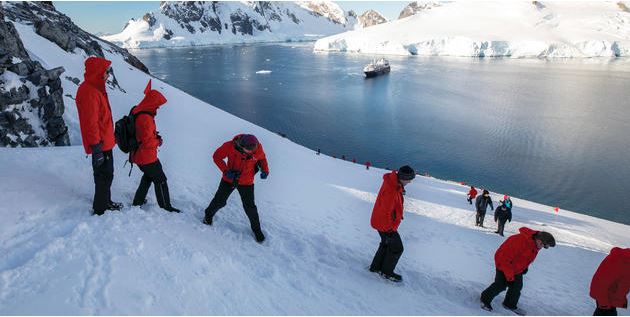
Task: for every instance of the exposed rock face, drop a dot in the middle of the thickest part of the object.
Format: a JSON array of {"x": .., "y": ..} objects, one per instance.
[
  {"x": 31, "y": 97},
  {"x": 370, "y": 18},
  {"x": 416, "y": 7}
]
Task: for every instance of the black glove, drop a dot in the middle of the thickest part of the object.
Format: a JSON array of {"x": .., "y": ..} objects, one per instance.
[
  {"x": 159, "y": 137},
  {"x": 525, "y": 272},
  {"x": 98, "y": 157},
  {"x": 232, "y": 174},
  {"x": 264, "y": 175}
]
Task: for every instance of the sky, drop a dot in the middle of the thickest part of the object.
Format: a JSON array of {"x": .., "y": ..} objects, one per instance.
[{"x": 109, "y": 17}]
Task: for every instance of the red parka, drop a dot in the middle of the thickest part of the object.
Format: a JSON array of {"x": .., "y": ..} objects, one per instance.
[
  {"x": 388, "y": 208},
  {"x": 472, "y": 193},
  {"x": 240, "y": 161},
  {"x": 146, "y": 132},
  {"x": 95, "y": 114},
  {"x": 516, "y": 253},
  {"x": 611, "y": 282}
]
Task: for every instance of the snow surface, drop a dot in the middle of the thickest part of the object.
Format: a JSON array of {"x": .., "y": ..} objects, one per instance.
[
  {"x": 517, "y": 29},
  {"x": 139, "y": 34},
  {"x": 315, "y": 210}
]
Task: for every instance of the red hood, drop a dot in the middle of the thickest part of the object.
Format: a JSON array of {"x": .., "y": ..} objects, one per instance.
[
  {"x": 391, "y": 179},
  {"x": 153, "y": 99},
  {"x": 95, "y": 67},
  {"x": 527, "y": 231},
  {"x": 621, "y": 254}
]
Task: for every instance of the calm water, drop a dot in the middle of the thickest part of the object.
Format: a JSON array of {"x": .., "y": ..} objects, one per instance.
[{"x": 556, "y": 132}]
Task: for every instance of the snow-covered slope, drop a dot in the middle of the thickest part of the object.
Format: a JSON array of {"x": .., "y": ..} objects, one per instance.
[
  {"x": 315, "y": 210},
  {"x": 515, "y": 28},
  {"x": 201, "y": 23}
]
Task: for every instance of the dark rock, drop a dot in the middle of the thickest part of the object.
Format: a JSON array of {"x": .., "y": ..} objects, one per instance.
[
  {"x": 13, "y": 97},
  {"x": 51, "y": 32},
  {"x": 74, "y": 80},
  {"x": 149, "y": 18}
]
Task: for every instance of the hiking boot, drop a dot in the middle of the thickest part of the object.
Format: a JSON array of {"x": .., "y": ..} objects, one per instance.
[
  {"x": 392, "y": 277},
  {"x": 374, "y": 270},
  {"x": 114, "y": 206},
  {"x": 260, "y": 237},
  {"x": 207, "y": 220},
  {"x": 486, "y": 306},
  {"x": 98, "y": 213},
  {"x": 515, "y": 310},
  {"x": 172, "y": 209}
]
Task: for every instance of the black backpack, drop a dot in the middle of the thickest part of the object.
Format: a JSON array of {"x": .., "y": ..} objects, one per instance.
[{"x": 125, "y": 132}]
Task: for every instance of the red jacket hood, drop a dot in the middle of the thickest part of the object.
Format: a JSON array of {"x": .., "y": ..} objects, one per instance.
[
  {"x": 621, "y": 254},
  {"x": 391, "y": 179},
  {"x": 527, "y": 231},
  {"x": 95, "y": 67},
  {"x": 153, "y": 99}
]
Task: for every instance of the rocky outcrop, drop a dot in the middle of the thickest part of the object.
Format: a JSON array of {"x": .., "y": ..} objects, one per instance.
[
  {"x": 31, "y": 97},
  {"x": 370, "y": 18},
  {"x": 416, "y": 7}
]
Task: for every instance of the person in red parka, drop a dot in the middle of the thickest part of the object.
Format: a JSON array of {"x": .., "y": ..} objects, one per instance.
[
  {"x": 512, "y": 261},
  {"x": 386, "y": 217},
  {"x": 97, "y": 131},
  {"x": 245, "y": 157},
  {"x": 146, "y": 154},
  {"x": 611, "y": 283},
  {"x": 472, "y": 193}
]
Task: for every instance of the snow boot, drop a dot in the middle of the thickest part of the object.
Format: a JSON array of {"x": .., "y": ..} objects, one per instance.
[
  {"x": 486, "y": 306},
  {"x": 207, "y": 221},
  {"x": 260, "y": 237},
  {"x": 515, "y": 310},
  {"x": 392, "y": 277},
  {"x": 172, "y": 209},
  {"x": 114, "y": 206}
]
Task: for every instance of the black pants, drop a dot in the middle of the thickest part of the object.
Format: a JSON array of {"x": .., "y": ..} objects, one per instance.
[
  {"x": 605, "y": 311},
  {"x": 501, "y": 226},
  {"x": 500, "y": 284},
  {"x": 389, "y": 251},
  {"x": 153, "y": 174},
  {"x": 469, "y": 200},
  {"x": 103, "y": 177},
  {"x": 247, "y": 198},
  {"x": 479, "y": 218}
]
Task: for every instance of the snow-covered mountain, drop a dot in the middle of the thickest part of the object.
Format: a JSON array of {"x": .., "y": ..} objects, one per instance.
[
  {"x": 315, "y": 211},
  {"x": 496, "y": 28},
  {"x": 416, "y": 7},
  {"x": 33, "y": 93},
  {"x": 191, "y": 23},
  {"x": 370, "y": 18}
]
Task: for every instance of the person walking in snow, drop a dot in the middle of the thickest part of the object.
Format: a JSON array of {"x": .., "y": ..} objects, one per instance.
[
  {"x": 97, "y": 131},
  {"x": 611, "y": 283},
  {"x": 512, "y": 261},
  {"x": 245, "y": 157},
  {"x": 502, "y": 215},
  {"x": 386, "y": 217},
  {"x": 472, "y": 193},
  {"x": 146, "y": 154},
  {"x": 481, "y": 203}
]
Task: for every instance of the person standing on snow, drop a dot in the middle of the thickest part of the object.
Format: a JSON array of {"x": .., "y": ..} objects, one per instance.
[
  {"x": 512, "y": 261},
  {"x": 481, "y": 204},
  {"x": 146, "y": 154},
  {"x": 472, "y": 193},
  {"x": 611, "y": 283},
  {"x": 245, "y": 156},
  {"x": 386, "y": 217},
  {"x": 502, "y": 215},
  {"x": 97, "y": 131}
]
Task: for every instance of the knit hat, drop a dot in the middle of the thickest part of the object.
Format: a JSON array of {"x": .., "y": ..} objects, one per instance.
[
  {"x": 406, "y": 173},
  {"x": 546, "y": 238},
  {"x": 248, "y": 142}
]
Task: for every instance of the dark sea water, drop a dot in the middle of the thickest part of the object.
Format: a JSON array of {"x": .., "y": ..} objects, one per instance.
[{"x": 551, "y": 131}]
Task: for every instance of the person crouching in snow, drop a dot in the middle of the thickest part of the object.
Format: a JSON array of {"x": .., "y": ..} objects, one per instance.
[
  {"x": 146, "y": 154},
  {"x": 512, "y": 261},
  {"x": 97, "y": 131},
  {"x": 502, "y": 215},
  {"x": 481, "y": 204},
  {"x": 472, "y": 193},
  {"x": 245, "y": 156},
  {"x": 611, "y": 283},
  {"x": 386, "y": 217}
]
